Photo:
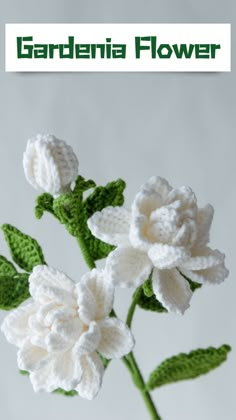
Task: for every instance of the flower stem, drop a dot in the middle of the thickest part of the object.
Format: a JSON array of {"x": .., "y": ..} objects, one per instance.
[
  {"x": 140, "y": 384},
  {"x": 132, "y": 307},
  {"x": 84, "y": 249},
  {"x": 129, "y": 360}
]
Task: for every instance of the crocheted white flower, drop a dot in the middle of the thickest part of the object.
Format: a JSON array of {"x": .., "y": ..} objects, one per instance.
[
  {"x": 60, "y": 331},
  {"x": 164, "y": 234},
  {"x": 50, "y": 164}
]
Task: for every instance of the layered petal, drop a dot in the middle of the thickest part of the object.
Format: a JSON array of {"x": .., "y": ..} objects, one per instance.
[
  {"x": 159, "y": 185},
  {"x": 116, "y": 338},
  {"x": 203, "y": 258},
  {"x": 15, "y": 326},
  {"x": 165, "y": 256},
  {"x": 212, "y": 275},
  {"x": 30, "y": 357},
  {"x": 47, "y": 284},
  {"x": 89, "y": 340},
  {"x": 204, "y": 221},
  {"x": 95, "y": 295},
  {"x": 111, "y": 225},
  {"x": 91, "y": 382},
  {"x": 128, "y": 267},
  {"x": 172, "y": 290}
]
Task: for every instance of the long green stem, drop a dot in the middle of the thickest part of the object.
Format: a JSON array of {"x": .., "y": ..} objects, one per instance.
[{"x": 129, "y": 360}]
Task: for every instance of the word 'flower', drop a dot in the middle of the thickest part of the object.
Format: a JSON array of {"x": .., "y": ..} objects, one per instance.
[
  {"x": 60, "y": 331},
  {"x": 165, "y": 234},
  {"x": 50, "y": 164}
]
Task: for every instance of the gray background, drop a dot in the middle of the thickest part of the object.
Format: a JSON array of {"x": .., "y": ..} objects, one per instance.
[{"x": 180, "y": 126}]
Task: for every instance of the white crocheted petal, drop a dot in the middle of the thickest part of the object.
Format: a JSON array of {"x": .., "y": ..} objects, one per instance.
[
  {"x": 204, "y": 221},
  {"x": 203, "y": 258},
  {"x": 167, "y": 256},
  {"x": 30, "y": 357},
  {"x": 95, "y": 296},
  {"x": 128, "y": 267},
  {"x": 145, "y": 202},
  {"x": 15, "y": 325},
  {"x": 49, "y": 164},
  {"x": 67, "y": 370},
  {"x": 172, "y": 290},
  {"x": 116, "y": 338},
  {"x": 48, "y": 284},
  {"x": 111, "y": 225},
  {"x": 213, "y": 275},
  {"x": 69, "y": 330},
  {"x": 157, "y": 184},
  {"x": 89, "y": 340},
  {"x": 91, "y": 382},
  {"x": 139, "y": 236},
  {"x": 43, "y": 379},
  {"x": 184, "y": 195}
]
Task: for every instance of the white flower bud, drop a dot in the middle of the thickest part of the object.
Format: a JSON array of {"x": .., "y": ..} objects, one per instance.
[{"x": 50, "y": 164}]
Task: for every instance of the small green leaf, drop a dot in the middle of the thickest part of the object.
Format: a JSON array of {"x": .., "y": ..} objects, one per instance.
[
  {"x": 110, "y": 195},
  {"x": 150, "y": 303},
  {"x": 81, "y": 185},
  {"x": 6, "y": 267},
  {"x": 25, "y": 250},
  {"x": 187, "y": 366},
  {"x": 24, "y": 372},
  {"x": 44, "y": 202},
  {"x": 13, "y": 290},
  {"x": 61, "y": 391}
]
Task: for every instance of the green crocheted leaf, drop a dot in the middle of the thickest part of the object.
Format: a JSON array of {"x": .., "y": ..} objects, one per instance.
[
  {"x": 6, "y": 267},
  {"x": 81, "y": 185},
  {"x": 150, "y": 303},
  {"x": 44, "y": 202},
  {"x": 13, "y": 290},
  {"x": 193, "y": 284},
  {"x": 110, "y": 195},
  {"x": 25, "y": 250},
  {"x": 147, "y": 287},
  {"x": 187, "y": 366}
]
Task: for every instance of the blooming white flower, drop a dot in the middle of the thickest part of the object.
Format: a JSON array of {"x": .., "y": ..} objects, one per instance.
[
  {"x": 165, "y": 234},
  {"x": 61, "y": 329},
  {"x": 50, "y": 164}
]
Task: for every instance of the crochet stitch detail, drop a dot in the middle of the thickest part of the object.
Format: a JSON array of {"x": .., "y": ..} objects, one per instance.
[
  {"x": 187, "y": 366},
  {"x": 13, "y": 290},
  {"x": 6, "y": 267},
  {"x": 25, "y": 250}
]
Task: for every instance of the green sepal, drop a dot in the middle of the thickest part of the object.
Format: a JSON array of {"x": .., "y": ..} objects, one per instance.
[
  {"x": 24, "y": 250},
  {"x": 44, "y": 202},
  {"x": 193, "y": 284},
  {"x": 61, "y": 391},
  {"x": 6, "y": 267},
  {"x": 150, "y": 303},
  {"x": 110, "y": 195},
  {"x": 187, "y": 366},
  {"x": 147, "y": 287},
  {"x": 13, "y": 290}
]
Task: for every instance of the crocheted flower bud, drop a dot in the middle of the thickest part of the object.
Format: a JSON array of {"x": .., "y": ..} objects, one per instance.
[{"x": 50, "y": 164}]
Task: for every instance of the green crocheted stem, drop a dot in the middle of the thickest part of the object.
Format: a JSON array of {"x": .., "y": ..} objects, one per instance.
[{"x": 129, "y": 360}]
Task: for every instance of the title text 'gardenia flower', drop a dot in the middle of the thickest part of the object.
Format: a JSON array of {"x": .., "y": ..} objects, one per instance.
[
  {"x": 50, "y": 164},
  {"x": 165, "y": 234},
  {"x": 61, "y": 330}
]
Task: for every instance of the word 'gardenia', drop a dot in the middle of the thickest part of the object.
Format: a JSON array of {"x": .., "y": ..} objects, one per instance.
[
  {"x": 164, "y": 235},
  {"x": 66, "y": 332},
  {"x": 60, "y": 331}
]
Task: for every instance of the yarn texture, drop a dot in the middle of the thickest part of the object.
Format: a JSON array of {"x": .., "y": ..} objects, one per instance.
[
  {"x": 60, "y": 331},
  {"x": 165, "y": 234}
]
